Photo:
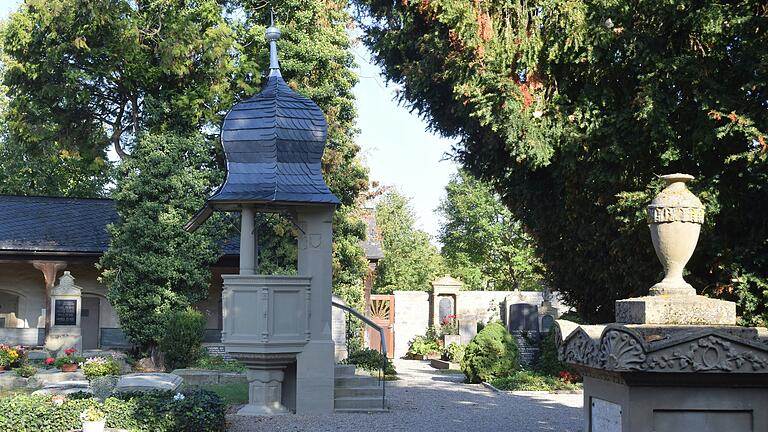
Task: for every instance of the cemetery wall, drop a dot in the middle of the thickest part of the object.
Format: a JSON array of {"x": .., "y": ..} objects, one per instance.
[{"x": 411, "y": 318}]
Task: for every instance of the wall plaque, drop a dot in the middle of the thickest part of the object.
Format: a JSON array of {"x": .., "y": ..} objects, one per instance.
[
  {"x": 605, "y": 416},
  {"x": 65, "y": 312}
]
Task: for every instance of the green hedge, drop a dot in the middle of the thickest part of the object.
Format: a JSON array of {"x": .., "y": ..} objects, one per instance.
[
  {"x": 492, "y": 353},
  {"x": 198, "y": 411},
  {"x": 370, "y": 360}
]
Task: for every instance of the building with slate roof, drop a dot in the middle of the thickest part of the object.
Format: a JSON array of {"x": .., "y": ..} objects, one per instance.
[{"x": 40, "y": 237}]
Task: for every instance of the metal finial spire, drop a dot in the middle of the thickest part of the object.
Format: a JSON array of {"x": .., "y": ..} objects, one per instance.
[{"x": 273, "y": 34}]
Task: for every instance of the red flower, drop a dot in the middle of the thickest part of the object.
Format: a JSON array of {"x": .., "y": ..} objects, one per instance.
[
  {"x": 70, "y": 351},
  {"x": 566, "y": 376},
  {"x": 50, "y": 360}
]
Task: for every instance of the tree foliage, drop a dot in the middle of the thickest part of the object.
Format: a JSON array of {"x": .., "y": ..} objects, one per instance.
[
  {"x": 483, "y": 244},
  {"x": 570, "y": 108},
  {"x": 84, "y": 76},
  {"x": 410, "y": 261},
  {"x": 153, "y": 266}
]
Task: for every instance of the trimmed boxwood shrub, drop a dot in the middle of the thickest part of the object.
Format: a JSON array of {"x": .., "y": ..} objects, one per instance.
[
  {"x": 197, "y": 411},
  {"x": 492, "y": 353},
  {"x": 183, "y": 338}
]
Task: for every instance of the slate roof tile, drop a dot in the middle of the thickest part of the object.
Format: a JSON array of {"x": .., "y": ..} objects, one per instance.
[{"x": 54, "y": 224}]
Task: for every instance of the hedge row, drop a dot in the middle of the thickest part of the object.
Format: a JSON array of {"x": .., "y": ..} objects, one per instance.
[{"x": 159, "y": 411}]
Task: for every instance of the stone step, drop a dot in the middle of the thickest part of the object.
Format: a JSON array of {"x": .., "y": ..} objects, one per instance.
[
  {"x": 346, "y": 392},
  {"x": 344, "y": 370},
  {"x": 358, "y": 403},
  {"x": 354, "y": 381}
]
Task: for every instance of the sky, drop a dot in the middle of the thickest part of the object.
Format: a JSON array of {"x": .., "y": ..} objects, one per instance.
[{"x": 394, "y": 142}]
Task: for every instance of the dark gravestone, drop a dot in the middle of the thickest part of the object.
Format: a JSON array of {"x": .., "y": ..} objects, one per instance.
[
  {"x": 65, "y": 312},
  {"x": 523, "y": 317},
  {"x": 445, "y": 308},
  {"x": 546, "y": 323}
]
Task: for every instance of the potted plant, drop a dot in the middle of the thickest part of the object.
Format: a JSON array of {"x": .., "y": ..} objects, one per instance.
[
  {"x": 70, "y": 362},
  {"x": 93, "y": 419},
  {"x": 8, "y": 356}
]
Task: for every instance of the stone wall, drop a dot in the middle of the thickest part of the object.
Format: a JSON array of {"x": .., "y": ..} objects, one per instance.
[{"x": 411, "y": 318}]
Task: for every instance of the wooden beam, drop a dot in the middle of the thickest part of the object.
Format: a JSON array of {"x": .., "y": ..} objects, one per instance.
[{"x": 49, "y": 269}]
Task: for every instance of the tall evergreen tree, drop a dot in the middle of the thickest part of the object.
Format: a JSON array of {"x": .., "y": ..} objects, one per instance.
[
  {"x": 153, "y": 266},
  {"x": 570, "y": 109}
]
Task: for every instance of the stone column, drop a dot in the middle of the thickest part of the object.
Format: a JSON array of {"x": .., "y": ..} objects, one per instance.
[
  {"x": 247, "y": 242},
  {"x": 315, "y": 364}
]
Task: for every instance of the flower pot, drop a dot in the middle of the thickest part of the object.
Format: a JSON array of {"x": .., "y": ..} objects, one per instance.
[
  {"x": 2, "y": 368},
  {"x": 674, "y": 217},
  {"x": 94, "y": 426},
  {"x": 69, "y": 367}
]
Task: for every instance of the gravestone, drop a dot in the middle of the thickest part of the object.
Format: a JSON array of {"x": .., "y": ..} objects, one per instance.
[
  {"x": 546, "y": 323},
  {"x": 445, "y": 308},
  {"x": 523, "y": 317}
]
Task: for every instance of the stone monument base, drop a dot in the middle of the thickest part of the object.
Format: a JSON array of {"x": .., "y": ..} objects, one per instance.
[
  {"x": 671, "y": 309},
  {"x": 646, "y": 378},
  {"x": 64, "y": 337},
  {"x": 637, "y": 402}
]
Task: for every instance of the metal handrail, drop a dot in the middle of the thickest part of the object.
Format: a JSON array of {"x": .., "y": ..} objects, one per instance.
[{"x": 382, "y": 345}]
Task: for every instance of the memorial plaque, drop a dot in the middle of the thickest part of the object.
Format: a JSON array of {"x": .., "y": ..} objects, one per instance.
[
  {"x": 605, "y": 416},
  {"x": 523, "y": 317},
  {"x": 65, "y": 312}
]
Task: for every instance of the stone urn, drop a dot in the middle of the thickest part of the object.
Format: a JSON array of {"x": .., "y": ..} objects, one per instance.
[{"x": 674, "y": 217}]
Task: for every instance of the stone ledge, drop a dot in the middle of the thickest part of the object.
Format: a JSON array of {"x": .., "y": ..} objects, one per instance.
[{"x": 675, "y": 310}]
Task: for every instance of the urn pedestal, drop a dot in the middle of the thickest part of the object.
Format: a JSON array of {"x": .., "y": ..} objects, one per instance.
[{"x": 673, "y": 361}]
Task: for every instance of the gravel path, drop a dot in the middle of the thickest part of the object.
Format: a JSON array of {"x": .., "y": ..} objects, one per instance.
[{"x": 424, "y": 400}]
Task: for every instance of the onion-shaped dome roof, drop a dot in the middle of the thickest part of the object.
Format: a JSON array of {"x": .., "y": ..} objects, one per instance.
[{"x": 273, "y": 143}]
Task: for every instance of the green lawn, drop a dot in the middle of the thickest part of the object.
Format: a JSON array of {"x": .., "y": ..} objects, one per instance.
[
  {"x": 232, "y": 394},
  {"x": 531, "y": 381}
]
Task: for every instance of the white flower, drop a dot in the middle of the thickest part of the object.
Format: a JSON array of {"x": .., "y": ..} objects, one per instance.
[{"x": 178, "y": 397}]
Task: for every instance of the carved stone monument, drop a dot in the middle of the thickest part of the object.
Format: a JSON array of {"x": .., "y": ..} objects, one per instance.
[
  {"x": 66, "y": 301},
  {"x": 279, "y": 326},
  {"x": 673, "y": 361}
]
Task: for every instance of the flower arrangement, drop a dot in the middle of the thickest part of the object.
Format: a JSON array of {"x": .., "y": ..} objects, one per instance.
[
  {"x": 100, "y": 366},
  {"x": 70, "y": 361},
  {"x": 449, "y": 326},
  {"x": 93, "y": 419},
  {"x": 9, "y": 356}
]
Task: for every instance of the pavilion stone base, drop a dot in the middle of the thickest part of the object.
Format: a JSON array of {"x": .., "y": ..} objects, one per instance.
[
  {"x": 669, "y": 309},
  {"x": 647, "y": 378},
  {"x": 281, "y": 383}
]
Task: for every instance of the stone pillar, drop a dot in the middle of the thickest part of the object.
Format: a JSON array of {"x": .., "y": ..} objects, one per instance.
[
  {"x": 247, "y": 242},
  {"x": 66, "y": 302},
  {"x": 315, "y": 364}
]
